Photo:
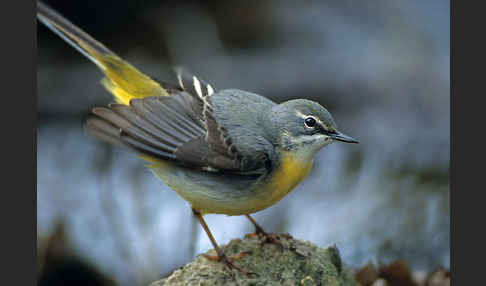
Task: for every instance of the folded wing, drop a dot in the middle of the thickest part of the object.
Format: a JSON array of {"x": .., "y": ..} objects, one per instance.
[{"x": 178, "y": 127}]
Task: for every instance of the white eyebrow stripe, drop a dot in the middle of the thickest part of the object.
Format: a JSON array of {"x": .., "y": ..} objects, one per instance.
[
  {"x": 304, "y": 116},
  {"x": 301, "y": 115}
]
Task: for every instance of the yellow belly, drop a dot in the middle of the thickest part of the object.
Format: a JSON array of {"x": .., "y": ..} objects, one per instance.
[{"x": 257, "y": 197}]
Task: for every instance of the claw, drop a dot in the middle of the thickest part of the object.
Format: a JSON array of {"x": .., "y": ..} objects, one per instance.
[
  {"x": 229, "y": 261},
  {"x": 269, "y": 237}
]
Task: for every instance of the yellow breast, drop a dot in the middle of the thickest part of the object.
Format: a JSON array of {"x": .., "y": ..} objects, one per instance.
[{"x": 283, "y": 180}]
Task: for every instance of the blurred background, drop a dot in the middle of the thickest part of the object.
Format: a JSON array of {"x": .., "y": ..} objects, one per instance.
[{"x": 381, "y": 67}]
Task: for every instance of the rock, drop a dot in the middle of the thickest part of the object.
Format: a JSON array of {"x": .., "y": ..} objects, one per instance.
[
  {"x": 295, "y": 262},
  {"x": 380, "y": 282},
  {"x": 439, "y": 277}
]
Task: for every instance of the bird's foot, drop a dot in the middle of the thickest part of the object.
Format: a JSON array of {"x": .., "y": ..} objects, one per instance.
[
  {"x": 269, "y": 237},
  {"x": 229, "y": 261}
]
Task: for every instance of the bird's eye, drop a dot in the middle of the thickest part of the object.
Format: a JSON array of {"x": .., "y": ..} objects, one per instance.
[{"x": 310, "y": 122}]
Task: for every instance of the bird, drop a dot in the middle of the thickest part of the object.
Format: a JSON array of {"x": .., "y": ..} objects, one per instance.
[{"x": 228, "y": 151}]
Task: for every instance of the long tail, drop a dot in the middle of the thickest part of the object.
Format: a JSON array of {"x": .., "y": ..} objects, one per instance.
[{"x": 122, "y": 79}]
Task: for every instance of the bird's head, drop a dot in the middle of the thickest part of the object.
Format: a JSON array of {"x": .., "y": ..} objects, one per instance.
[{"x": 305, "y": 126}]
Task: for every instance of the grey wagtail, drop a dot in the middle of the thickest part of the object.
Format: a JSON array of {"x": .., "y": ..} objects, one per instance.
[{"x": 226, "y": 151}]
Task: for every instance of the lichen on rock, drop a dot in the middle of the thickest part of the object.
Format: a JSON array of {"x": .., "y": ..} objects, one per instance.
[{"x": 294, "y": 262}]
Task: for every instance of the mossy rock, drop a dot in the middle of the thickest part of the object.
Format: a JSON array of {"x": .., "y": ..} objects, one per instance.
[{"x": 295, "y": 262}]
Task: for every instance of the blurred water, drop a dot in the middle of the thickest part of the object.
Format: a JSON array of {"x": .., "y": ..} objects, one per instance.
[{"x": 382, "y": 69}]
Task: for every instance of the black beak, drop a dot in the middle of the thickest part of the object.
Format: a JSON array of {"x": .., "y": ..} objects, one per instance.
[{"x": 343, "y": 138}]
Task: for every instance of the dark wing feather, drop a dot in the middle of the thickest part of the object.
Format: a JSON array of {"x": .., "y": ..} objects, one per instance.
[
  {"x": 179, "y": 127},
  {"x": 145, "y": 126},
  {"x": 102, "y": 129},
  {"x": 216, "y": 136},
  {"x": 131, "y": 135}
]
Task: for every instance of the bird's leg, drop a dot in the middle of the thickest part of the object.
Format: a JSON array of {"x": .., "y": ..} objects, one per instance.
[
  {"x": 258, "y": 229},
  {"x": 269, "y": 237},
  {"x": 228, "y": 261}
]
